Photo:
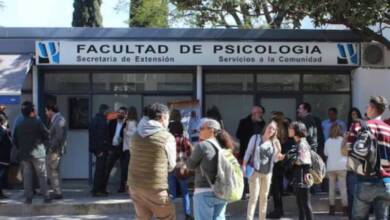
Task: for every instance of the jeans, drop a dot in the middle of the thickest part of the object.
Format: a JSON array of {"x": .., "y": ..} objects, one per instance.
[
  {"x": 113, "y": 156},
  {"x": 53, "y": 171},
  {"x": 2, "y": 173},
  {"x": 304, "y": 203},
  {"x": 340, "y": 177},
  {"x": 209, "y": 207},
  {"x": 39, "y": 165},
  {"x": 367, "y": 193},
  {"x": 351, "y": 183},
  {"x": 277, "y": 187},
  {"x": 183, "y": 184},
  {"x": 99, "y": 183},
  {"x": 259, "y": 185}
]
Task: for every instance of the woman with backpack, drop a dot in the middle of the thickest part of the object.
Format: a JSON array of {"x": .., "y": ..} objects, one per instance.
[
  {"x": 336, "y": 167},
  {"x": 183, "y": 151},
  {"x": 300, "y": 159},
  {"x": 204, "y": 161},
  {"x": 262, "y": 152}
]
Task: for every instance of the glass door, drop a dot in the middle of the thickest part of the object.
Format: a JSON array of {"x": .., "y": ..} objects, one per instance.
[{"x": 285, "y": 104}]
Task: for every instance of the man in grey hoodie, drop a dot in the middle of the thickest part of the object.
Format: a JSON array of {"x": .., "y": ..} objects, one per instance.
[{"x": 153, "y": 155}]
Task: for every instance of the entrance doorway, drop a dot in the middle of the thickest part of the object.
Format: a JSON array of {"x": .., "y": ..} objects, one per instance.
[{"x": 285, "y": 104}]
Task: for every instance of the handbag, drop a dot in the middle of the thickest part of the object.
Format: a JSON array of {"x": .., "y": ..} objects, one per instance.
[
  {"x": 181, "y": 171},
  {"x": 249, "y": 169}
]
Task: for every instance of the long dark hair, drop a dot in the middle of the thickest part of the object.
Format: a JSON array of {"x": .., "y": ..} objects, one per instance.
[
  {"x": 282, "y": 123},
  {"x": 132, "y": 114},
  {"x": 350, "y": 120},
  {"x": 225, "y": 140}
]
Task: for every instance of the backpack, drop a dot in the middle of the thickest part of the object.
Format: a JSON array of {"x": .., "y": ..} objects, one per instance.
[
  {"x": 229, "y": 182},
  {"x": 318, "y": 168},
  {"x": 362, "y": 158}
]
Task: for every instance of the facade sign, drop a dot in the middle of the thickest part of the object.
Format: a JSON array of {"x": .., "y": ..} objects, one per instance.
[{"x": 197, "y": 53}]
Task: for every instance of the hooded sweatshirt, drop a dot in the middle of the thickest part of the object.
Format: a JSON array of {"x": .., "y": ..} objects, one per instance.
[{"x": 147, "y": 127}]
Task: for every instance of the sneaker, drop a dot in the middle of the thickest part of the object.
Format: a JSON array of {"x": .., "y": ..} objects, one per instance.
[
  {"x": 189, "y": 217},
  {"x": 332, "y": 210},
  {"x": 275, "y": 214},
  {"x": 57, "y": 196},
  {"x": 28, "y": 201},
  {"x": 99, "y": 194}
]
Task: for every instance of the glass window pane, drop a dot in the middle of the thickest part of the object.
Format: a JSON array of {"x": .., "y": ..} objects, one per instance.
[
  {"x": 278, "y": 82},
  {"x": 67, "y": 82},
  {"x": 116, "y": 101},
  {"x": 330, "y": 82},
  {"x": 229, "y": 82},
  {"x": 131, "y": 82},
  {"x": 164, "y": 99},
  {"x": 232, "y": 108},
  {"x": 321, "y": 103}
]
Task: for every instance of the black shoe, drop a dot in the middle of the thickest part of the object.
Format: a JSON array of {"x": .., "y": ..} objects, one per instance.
[
  {"x": 28, "y": 201},
  {"x": 57, "y": 196},
  {"x": 275, "y": 214},
  {"x": 47, "y": 200},
  {"x": 3, "y": 196},
  {"x": 99, "y": 194},
  {"x": 189, "y": 217}
]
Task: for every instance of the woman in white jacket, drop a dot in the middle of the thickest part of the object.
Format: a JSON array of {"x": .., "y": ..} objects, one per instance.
[
  {"x": 336, "y": 167},
  {"x": 262, "y": 152},
  {"x": 128, "y": 133}
]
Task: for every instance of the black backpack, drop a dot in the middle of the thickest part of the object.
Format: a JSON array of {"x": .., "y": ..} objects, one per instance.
[{"x": 363, "y": 157}]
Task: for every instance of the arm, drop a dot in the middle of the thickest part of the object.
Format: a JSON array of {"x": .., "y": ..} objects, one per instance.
[
  {"x": 326, "y": 147},
  {"x": 59, "y": 138},
  {"x": 196, "y": 157},
  {"x": 249, "y": 150},
  {"x": 170, "y": 149}
]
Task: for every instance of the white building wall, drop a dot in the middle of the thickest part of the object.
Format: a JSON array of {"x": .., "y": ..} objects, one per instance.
[{"x": 368, "y": 82}]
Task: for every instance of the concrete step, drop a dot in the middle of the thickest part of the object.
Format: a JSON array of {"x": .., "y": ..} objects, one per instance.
[{"x": 78, "y": 201}]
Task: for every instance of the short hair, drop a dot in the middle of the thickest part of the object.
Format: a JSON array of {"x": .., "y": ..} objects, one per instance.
[
  {"x": 52, "y": 107},
  {"x": 132, "y": 113},
  {"x": 332, "y": 109},
  {"x": 299, "y": 128},
  {"x": 306, "y": 106},
  {"x": 3, "y": 119},
  {"x": 211, "y": 123},
  {"x": 103, "y": 108},
  {"x": 27, "y": 108},
  {"x": 123, "y": 108},
  {"x": 379, "y": 103},
  {"x": 156, "y": 111}
]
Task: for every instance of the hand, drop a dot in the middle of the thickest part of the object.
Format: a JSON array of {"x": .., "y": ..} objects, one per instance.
[
  {"x": 280, "y": 157},
  {"x": 243, "y": 168}
]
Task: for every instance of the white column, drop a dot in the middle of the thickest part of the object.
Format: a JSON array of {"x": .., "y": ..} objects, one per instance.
[
  {"x": 199, "y": 86},
  {"x": 35, "y": 86}
]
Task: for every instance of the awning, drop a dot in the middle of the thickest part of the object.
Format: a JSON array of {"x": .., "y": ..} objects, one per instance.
[{"x": 13, "y": 71}]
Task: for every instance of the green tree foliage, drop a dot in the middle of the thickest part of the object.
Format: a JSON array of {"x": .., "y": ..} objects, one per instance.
[
  {"x": 145, "y": 13},
  {"x": 87, "y": 13},
  {"x": 369, "y": 18},
  {"x": 235, "y": 13}
]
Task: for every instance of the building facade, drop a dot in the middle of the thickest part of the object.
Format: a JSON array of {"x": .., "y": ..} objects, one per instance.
[{"x": 80, "y": 68}]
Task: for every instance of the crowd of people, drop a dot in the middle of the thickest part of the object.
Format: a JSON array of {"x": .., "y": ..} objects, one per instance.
[{"x": 158, "y": 156}]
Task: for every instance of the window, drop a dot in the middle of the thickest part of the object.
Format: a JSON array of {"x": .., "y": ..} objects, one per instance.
[
  {"x": 135, "y": 82},
  {"x": 321, "y": 103},
  {"x": 69, "y": 82},
  {"x": 278, "y": 82},
  {"x": 229, "y": 82},
  {"x": 326, "y": 82}
]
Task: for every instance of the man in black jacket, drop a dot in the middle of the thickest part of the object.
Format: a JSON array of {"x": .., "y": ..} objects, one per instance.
[
  {"x": 30, "y": 137},
  {"x": 313, "y": 125},
  {"x": 116, "y": 127},
  {"x": 5, "y": 151},
  {"x": 253, "y": 123},
  {"x": 99, "y": 144}
]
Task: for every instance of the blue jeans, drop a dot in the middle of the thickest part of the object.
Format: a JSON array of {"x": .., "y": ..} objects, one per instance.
[
  {"x": 367, "y": 193},
  {"x": 351, "y": 183},
  {"x": 209, "y": 207},
  {"x": 183, "y": 184}
]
